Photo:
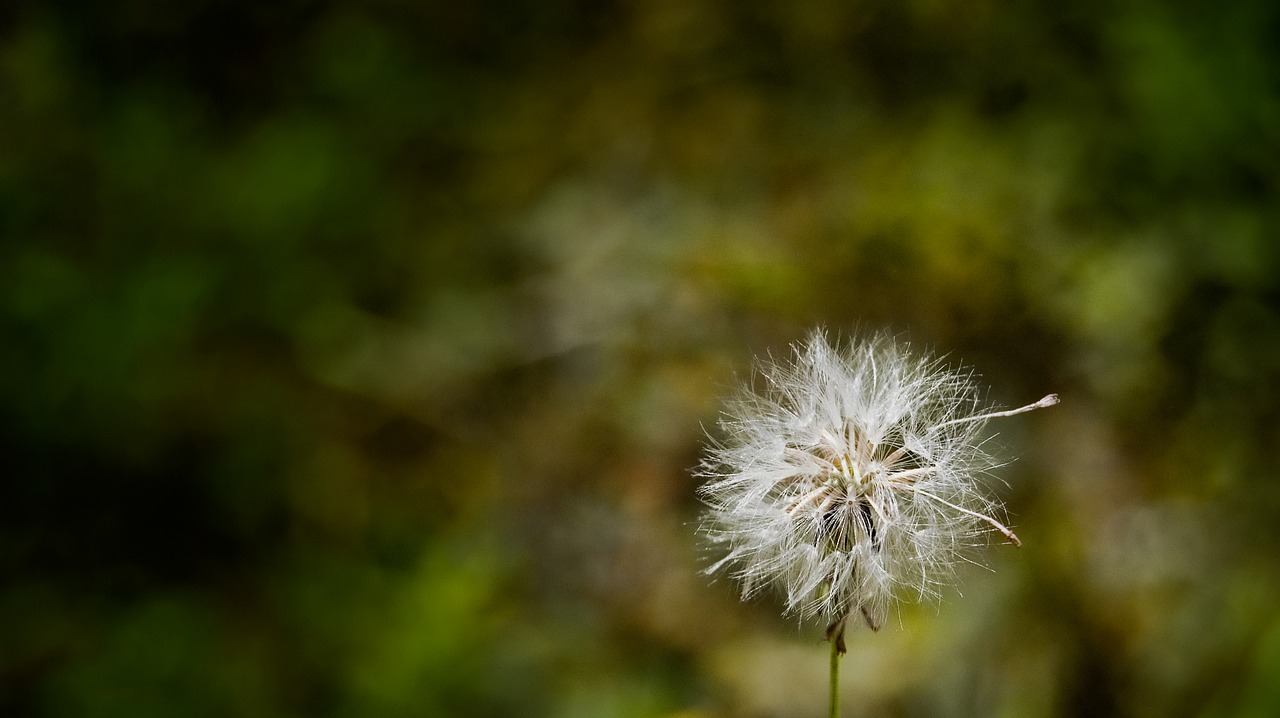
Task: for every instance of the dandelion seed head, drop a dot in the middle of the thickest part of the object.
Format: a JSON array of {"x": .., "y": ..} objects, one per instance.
[{"x": 850, "y": 476}]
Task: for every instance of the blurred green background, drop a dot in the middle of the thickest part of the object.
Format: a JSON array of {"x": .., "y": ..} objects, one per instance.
[{"x": 355, "y": 355}]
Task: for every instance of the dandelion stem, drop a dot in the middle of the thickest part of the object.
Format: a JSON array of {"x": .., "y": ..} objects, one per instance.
[
  {"x": 835, "y": 635},
  {"x": 835, "y": 678},
  {"x": 1047, "y": 401}
]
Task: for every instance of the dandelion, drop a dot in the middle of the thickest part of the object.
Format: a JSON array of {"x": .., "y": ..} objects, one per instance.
[{"x": 852, "y": 478}]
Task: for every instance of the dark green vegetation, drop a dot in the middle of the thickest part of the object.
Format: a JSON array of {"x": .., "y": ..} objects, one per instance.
[{"x": 354, "y": 356}]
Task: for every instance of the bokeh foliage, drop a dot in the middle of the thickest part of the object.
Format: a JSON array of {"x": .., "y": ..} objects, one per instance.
[{"x": 355, "y": 354}]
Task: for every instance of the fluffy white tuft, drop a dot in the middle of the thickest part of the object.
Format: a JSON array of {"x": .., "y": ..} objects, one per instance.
[{"x": 851, "y": 477}]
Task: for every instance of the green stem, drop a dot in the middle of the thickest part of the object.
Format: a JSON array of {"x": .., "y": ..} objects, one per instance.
[{"x": 835, "y": 677}]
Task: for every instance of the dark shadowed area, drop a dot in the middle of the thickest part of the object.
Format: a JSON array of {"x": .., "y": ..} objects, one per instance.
[{"x": 354, "y": 356}]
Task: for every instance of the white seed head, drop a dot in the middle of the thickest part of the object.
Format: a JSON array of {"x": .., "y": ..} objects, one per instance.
[{"x": 851, "y": 477}]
